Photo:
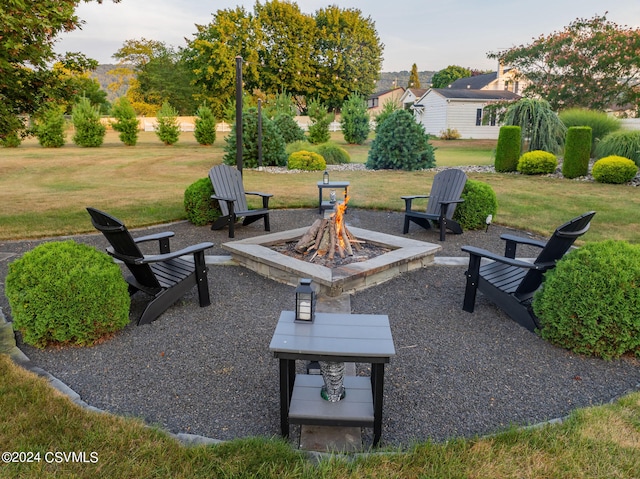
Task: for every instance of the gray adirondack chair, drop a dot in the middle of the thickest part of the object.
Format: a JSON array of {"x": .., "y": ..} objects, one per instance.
[
  {"x": 511, "y": 283},
  {"x": 166, "y": 276},
  {"x": 443, "y": 199},
  {"x": 229, "y": 191}
]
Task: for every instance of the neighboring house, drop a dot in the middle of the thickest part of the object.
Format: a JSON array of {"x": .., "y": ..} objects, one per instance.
[
  {"x": 410, "y": 96},
  {"x": 503, "y": 79},
  {"x": 440, "y": 109},
  {"x": 375, "y": 101}
]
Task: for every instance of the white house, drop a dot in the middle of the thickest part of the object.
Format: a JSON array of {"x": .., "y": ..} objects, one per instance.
[
  {"x": 376, "y": 100},
  {"x": 461, "y": 109},
  {"x": 503, "y": 79},
  {"x": 410, "y": 96}
]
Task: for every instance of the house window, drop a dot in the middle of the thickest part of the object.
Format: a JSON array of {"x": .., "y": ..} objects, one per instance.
[
  {"x": 492, "y": 120},
  {"x": 517, "y": 87},
  {"x": 479, "y": 117}
]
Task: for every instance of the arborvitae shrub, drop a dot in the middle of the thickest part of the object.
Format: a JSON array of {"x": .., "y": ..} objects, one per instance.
[
  {"x": 401, "y": 144},
  {"x": 66, "y": 292},
  {"x": 508, "y": 149},
  {"x": 614, "y": 169},
  {"x": 355, "y": 120},
  {"x": 86, "y": 121},
  {"x": 168, "y": 129},
  {"x": 333, "y": 154},
  {"x": 590, "y": 302},
  {"x": 306, "y": 160},
  {"x": 273, "y": 146},
  {"x": 577, "y": 152},
  {"x": 205, "y": 127},
  {"x": 198, "y": 205},
  {"x": 50, "y": 126},
  {"x": 620, "y": 143},
  {"x": 126, "y": 121},
  {"x": 601, "y": 123},
  {"x": 537, "y": 162},
  {"x": 480, "y": 201},
  {"x": 321, "y": 119}
]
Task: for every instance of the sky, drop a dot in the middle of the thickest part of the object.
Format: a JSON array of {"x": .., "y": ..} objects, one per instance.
[{"x": 431, "y": 34}]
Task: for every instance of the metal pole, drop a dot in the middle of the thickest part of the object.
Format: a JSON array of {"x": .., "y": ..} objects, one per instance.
[
  {"x": 259, "y": 135},
  {"x": 239, "y": 113}
]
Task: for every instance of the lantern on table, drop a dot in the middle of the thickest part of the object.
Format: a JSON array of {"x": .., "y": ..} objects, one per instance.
[{"x": 305, "y": 301}]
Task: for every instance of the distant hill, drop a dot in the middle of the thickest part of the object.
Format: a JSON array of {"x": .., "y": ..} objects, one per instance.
[
  {"x": 389, "y": 80},
  {"x": 101, "y": 74}
]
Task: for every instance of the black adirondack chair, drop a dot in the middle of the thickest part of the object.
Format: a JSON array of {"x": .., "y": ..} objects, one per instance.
[
  {"x": 165, "y": 276},
  {"x": 443, "y": 199},
  {"x": 510, "y": 283},
  {"x": 229, "y": 191}
]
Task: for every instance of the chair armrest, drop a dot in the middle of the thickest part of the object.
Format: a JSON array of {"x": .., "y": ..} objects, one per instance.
[
  {"x": 265, "y": 195},
  {"x": 448, "y": 202},
  {"x": 523, "y": 240},
  {"x": 483, "y": 253},
  {"x": 155, "y": 258},
  {"x": 408, "y": 200},
  {"x": 155, "y": 236}
]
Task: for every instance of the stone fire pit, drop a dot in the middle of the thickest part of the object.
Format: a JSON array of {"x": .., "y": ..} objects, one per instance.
[{"x": 405, "y": 255}]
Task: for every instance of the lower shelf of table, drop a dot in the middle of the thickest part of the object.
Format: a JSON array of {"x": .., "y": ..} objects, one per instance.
[{"x": 308, "y": 407}]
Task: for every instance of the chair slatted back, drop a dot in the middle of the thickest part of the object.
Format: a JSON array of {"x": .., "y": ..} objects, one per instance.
[
  {"x": 447, "y": 186},
  {"x": 227, "y": 182},
  {"x": 123, "y": 247},
  {"x": 557, "y": 246}
]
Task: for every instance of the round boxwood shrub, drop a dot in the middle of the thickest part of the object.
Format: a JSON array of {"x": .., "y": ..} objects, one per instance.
[
  {"x": 590, "y": 302},
  {"x": 508, "y": 148},
  {"x": 306, "y": 160},
  {"x": 401, "y": 144},
  {"x": 620, "y": 143},
  {"x": 333, "y": 154},
  {"x": 198, "y": 205},
  {"x": 614, "y": 169},
  {"x": 480, "y": 201},
  {"x": 537, "y": 162},
  {"x": 66, "y": 292},
  {"x": 577, "y": 152}
]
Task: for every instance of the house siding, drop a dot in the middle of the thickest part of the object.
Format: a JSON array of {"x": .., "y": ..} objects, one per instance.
[
  {"x": 462, "y": 117},
  {"x": 434, "y": 114}
]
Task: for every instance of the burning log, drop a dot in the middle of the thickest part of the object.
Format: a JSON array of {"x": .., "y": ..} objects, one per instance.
[{"x": 329, "y": 236}]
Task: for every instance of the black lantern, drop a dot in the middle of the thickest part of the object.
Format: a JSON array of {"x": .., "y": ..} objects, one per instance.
[
  {"x": 305, "y": 301},
  {"x": 325, "y": 177}
]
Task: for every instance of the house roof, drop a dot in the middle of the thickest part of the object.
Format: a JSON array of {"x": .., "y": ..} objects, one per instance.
[
  {"x": 384, "y": 92},
  {"x": 474, "y": 83},
  {"x": 418, "y": 92},
  {"x": 472, "y": 94}
]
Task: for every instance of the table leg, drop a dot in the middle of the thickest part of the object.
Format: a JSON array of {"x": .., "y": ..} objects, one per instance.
[
  {"x": 377, "y": 388},
  {"x": 287, "y": 378},
  {"x": 319, "y": 199}
]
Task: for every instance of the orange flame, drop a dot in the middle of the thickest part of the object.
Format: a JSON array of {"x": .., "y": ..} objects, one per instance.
[{"x": 339, "y": 218}]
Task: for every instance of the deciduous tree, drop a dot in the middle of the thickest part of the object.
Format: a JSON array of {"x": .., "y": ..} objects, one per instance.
[
  {"x": 592, "y": 63},
  {"x": 444, "y": 78}
]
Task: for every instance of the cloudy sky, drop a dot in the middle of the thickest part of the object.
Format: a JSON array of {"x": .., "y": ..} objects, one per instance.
[{"x": 432, "y": 34}]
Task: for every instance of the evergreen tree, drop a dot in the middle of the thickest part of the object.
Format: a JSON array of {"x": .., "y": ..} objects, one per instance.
[
  {"x": 355, "y": 120},
  {"x": 205, "y": 132},
  {"x": 86, "y": 121},
  {"x": 126, "y": 121},
  {"x": 414, "y": 78},
  {"x": 49, "y": 126},
  {"x": 168, "y": 128},
  {"x": 321, "y": 119}
]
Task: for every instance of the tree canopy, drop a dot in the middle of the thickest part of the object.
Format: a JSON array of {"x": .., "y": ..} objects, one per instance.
[
  {"x": 592, "y": 63},
  {"x": 28, "y": 30},
  {"x": 445, "y": 77},
  {"x": 414, "y": 78},
  {"x": 327, "y": 56}
]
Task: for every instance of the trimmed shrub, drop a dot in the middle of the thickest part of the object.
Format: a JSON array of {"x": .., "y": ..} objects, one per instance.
[
  {"x": 620, "y": 143},
  {"x": 273, "y": 146},
  {"x": 480, "y": 201},
  {"x": 288, "y": 128},
  {"x": 401, "y": 144},
  {"x": 508, "y": 149},
  {"x": 355, "y": 120},
  {"x": 168, "y": 129},
  {"x": 614, "y": 169},
  {"x": 537, "y": 162},
  {"x": 306, "y": 160},
  {"x": 205, "y": 127},
  {"x": 590, "y": 302},
  {"x": 577, "y": 152},
  {"x": 198, "y": 205},
  {"x": 49, "y": 126},
  {"x": 601, "y": 124},
  {"x": 127, "y": 121},
  {"x": 86, "y": 120},
  {"x": 68, "y": 293},
  {"x": 333, "y": 154}
]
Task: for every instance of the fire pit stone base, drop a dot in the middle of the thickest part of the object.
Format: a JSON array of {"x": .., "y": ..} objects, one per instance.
[{"x": 405, "y": 255}]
